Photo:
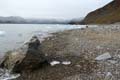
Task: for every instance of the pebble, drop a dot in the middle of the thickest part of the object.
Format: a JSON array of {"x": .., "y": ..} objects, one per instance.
[
  {"x": 99, "y": 47},
  {"x": 66, "y": 62},
  {"x": 79, "y": 66}
]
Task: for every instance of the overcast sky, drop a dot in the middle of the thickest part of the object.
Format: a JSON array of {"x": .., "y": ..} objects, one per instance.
[{"x": 49, "y": 8}]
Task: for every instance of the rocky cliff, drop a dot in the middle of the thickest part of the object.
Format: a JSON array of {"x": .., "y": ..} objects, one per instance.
[{"x": 110, "y": 13}]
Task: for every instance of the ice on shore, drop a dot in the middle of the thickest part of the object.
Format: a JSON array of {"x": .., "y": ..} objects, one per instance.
[
  {"x": 53, "y": 63},
  {"x": 40, "y": 35},
  {"x": 7, "y": 76},
  {"x": 43, "y": 35},
  {"x": 2, "y": 33}
]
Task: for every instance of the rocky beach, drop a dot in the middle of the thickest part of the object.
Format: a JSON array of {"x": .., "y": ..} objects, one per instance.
[
  {"x": 60, "y": 40},
  {"x": 91, "y": 53}
]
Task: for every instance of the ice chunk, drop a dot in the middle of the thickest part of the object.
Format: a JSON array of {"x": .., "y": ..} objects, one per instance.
[
  {"x": 53, "y": 63},
  {"x": 7, "y": 76},
  {"x": 66, "y": 62},
  {"x": 2, "y": 33}
]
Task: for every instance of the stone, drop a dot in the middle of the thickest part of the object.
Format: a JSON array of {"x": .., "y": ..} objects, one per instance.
[
  {"x": 29, "y": 57},
  {"x": 109, "y": 76},
  {"x": 112, "y": 61},
  {"x": 98, "y": 47},
  {"x": 104, "y": 56},
  {"x": 66, "y": 62}
]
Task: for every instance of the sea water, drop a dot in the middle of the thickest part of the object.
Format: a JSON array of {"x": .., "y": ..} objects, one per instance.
[{"x": 12, "y": 36}]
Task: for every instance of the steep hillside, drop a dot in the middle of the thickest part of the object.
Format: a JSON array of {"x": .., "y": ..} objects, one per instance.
[{"x": 105, "y": 15}]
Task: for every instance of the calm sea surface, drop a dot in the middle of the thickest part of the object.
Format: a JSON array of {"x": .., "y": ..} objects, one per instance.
[{"x": 13, "y": 36}]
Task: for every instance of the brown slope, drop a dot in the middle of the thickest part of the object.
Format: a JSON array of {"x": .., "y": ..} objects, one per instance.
[{"x": 105, "y": 15}]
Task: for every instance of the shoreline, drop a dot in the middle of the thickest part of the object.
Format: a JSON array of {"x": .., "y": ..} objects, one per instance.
[{"x": 93, "y": 53}]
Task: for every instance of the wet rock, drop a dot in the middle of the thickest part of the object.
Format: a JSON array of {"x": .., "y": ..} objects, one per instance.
[
  {"x": 104, "y": 56},
  {"x": 29, "y": 57},
  {"x": 86, "y": 26}
]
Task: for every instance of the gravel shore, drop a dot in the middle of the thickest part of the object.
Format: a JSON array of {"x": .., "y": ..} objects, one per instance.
[{"x": 81, "y": 47}]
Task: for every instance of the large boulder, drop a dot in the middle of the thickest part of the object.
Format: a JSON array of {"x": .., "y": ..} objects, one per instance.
[{"x": 28, "y": 57}]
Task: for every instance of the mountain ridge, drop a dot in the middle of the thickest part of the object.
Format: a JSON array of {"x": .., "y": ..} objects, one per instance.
[{"x": 20, "y": 20}]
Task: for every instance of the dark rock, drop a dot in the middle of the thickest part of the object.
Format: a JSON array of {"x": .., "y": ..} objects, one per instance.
[
  {"x": 29, "y": 57},
  {"x": 86, "y": 26}
]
